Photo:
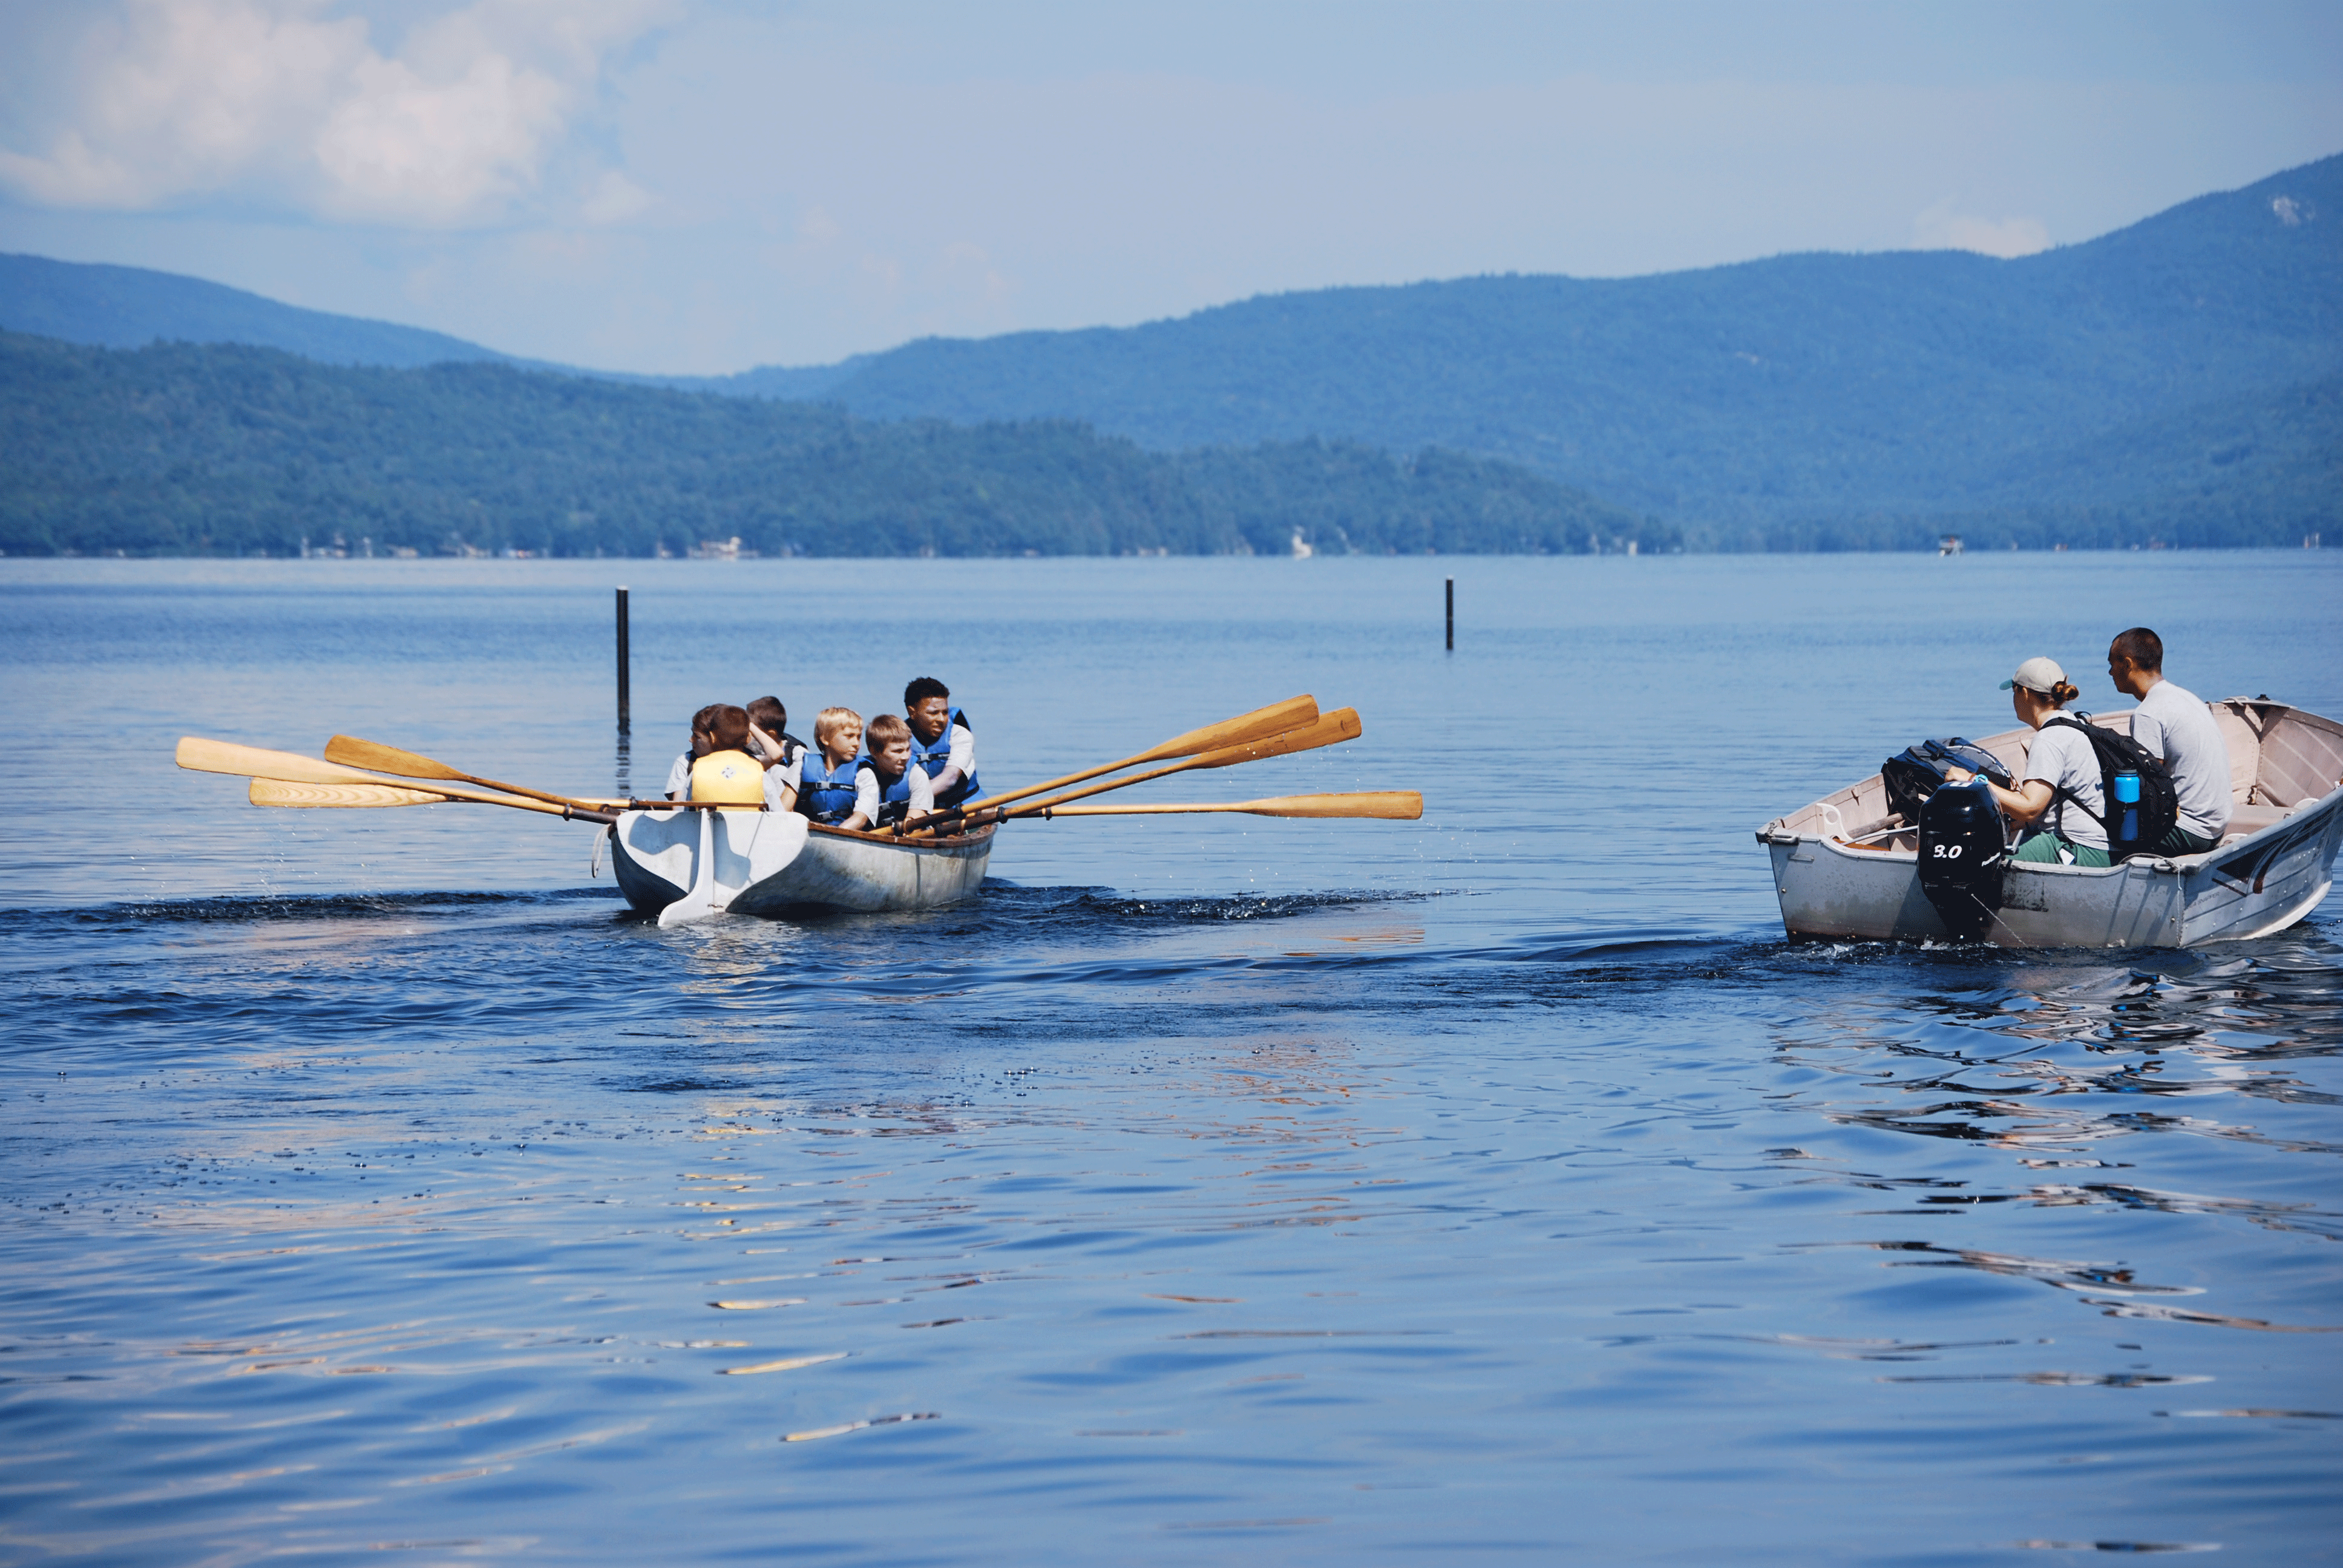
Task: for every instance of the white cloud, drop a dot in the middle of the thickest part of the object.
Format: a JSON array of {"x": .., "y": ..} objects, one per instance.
[
  {"x": 184, "y": 98},
  {"x": 615, "y": 200},
  {"x": 1942, "y": 228}
]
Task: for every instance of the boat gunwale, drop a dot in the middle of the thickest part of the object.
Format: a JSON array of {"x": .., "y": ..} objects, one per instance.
[
  {"x": 888, "y": 842},
  {"x": 850, "y": 835}
]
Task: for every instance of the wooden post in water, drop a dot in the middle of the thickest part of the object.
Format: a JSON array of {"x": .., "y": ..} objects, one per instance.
[
  {"x": 623, "y": 662},
  {"x": 1452, "y": 615}
]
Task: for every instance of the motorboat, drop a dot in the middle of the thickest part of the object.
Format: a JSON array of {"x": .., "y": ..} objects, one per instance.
[{"x": 1846, "y": 867}]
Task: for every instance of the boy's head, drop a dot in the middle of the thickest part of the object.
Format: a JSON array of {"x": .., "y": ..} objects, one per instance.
[
  {"x": 890, "y": 744},
  {"x": 702, "y": 734},
  {"x": 838, "y": 732},
  {"x": 728, "y": 728},
  {"x": 768, "y": 715},
  {"x": 928, "y": 703}
]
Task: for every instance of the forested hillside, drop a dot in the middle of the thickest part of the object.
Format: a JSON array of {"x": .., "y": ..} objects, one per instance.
[
  {"x": 2175, "y": 381},
  {"x": 226, "y": 450},
  {"x": 1802, "y": 398}
]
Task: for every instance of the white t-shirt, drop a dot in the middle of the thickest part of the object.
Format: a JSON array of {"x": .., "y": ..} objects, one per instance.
[
  {"x": 2062, "y": 758},
  {"x": 2173, "y": 725},
  {"x": 866, "y": 791},
  {"x": 960, "y": 761},
  {"x": 678, "y": 778}
]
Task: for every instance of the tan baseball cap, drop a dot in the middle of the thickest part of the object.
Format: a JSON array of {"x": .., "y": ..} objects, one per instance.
[{"x": 2042, "y": 675}]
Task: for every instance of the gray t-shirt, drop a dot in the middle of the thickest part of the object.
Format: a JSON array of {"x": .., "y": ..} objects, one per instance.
[
  {"x": 2173, "y": 724},
  {"x": 2062, "y": 758}
]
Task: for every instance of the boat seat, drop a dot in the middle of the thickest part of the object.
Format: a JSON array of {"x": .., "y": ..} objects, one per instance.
[{"x": 2246, "y": 819}]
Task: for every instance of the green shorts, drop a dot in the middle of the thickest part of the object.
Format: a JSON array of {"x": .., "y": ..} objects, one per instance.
[
  {"x": 2181, "y": 841},
  {"x": 2043, "y": 848}
]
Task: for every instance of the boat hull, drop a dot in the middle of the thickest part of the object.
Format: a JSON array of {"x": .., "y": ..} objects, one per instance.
[
  {"x": 2255, "y": 882},
  {"x": 773, "y": 863}
]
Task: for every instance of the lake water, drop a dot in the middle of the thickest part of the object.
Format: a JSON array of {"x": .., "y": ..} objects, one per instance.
[{"x": 1499, "y": 1187}]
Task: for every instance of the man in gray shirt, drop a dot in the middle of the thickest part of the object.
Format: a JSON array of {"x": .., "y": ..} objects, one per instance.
[{"x": 2176, "y": 726}]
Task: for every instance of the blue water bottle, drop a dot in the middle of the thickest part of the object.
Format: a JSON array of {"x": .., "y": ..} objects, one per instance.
[{"x": 2127, "y": 796}]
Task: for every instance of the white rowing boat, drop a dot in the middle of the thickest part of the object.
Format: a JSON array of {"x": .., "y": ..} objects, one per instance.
[
  {"x": 1844, "y": 867},
  {"x": 685, "y": 864}
]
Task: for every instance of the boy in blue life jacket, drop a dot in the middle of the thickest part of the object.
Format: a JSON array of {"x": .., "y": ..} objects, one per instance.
[
  {"x": 826, "y": 771},
  {"x": 887, "y": 787},
  {"x": 943, "y": 742},
  {"x": 726, "y": 775}
]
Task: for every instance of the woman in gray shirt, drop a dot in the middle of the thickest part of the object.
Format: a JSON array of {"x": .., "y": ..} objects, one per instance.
[{"x": 2061, "y": 788}]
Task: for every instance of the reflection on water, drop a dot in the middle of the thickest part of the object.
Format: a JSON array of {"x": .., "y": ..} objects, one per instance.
[{"x": 1182, "y": 1256}]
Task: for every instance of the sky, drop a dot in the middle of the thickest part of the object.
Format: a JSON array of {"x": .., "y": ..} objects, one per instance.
[{"x": 698, "y": 187}]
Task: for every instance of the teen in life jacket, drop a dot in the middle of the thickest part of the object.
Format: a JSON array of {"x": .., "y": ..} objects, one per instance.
[
  {"x": 887, "y": 787},
  {"x": 770, "y": 742},
  {"x": 943, "y": 745},
  {"x": 679, "y": 775},
  {"x": 727, "y": 775},
  {"x": 826, "y": 770}
]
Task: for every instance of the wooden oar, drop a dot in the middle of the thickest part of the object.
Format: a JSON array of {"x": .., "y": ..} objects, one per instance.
[
  {"x": 351, "y": 751},
  {"x": 1275, "y": 720},
  {"x": 278, "y": 792},
  {"x": 1389, "y": 805},
  {"x": 286, "y": 767},
  {"x": 1326, "y": 730}
]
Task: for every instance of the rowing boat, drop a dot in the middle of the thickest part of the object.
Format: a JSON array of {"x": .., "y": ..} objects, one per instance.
[
  {"x": 1844, "y": 867},
  {"x": 755, "y": 862}
]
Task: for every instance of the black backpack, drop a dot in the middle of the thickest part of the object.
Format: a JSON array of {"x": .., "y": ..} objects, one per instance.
[
  {"x": 1916, "y": 772},
  {"x": 2159, "y": 803}
]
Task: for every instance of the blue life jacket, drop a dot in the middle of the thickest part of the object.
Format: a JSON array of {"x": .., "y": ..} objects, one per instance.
[
  {"x": 825, "y": 793},
  {"x": 933, "y": 757},
  {"x": 894, "y": 799}
]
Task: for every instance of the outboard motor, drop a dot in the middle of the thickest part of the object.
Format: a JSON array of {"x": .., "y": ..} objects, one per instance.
[{"x": 1962, "y": 852}]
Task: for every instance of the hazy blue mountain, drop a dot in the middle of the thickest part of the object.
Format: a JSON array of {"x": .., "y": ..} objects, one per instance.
[
  {"x": 131, "y": 306},
  {"x": 1731, "y": 398},
  {"x": 2174, "y": 378},
  {"x": 221, "y": 449}
]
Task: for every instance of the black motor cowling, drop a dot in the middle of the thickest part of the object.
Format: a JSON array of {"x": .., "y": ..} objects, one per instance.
[{"x": 1962, "y": 852}]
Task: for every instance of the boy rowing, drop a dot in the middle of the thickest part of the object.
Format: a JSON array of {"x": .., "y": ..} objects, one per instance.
[
  {"x": 887, "y": 787},
  {"x": 943, "y": 745},
  {"x": 770, "y": 742},
  {"x": 826, "y": 791}
]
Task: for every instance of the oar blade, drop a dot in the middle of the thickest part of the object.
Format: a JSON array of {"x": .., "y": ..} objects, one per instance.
[
  {"x": 1383, "y": 805},
  {"x": 1327, "y": 729},
  {"x": 353, "y": 752},
  {"x": 279, "y": 792},
  {"x": 1262, "y": 722},
  {"x": 204, "y": 756}
]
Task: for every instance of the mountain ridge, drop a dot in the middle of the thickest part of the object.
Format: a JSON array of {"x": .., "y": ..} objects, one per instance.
[{"x": 1801, "y": 397}]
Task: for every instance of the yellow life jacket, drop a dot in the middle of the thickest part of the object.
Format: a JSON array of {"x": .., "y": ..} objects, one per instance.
[{"x": 729, "y": 779}]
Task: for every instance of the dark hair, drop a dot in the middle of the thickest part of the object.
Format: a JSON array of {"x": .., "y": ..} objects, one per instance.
[
  {"x": 885, "y": 731},
  {"x": 729, "y": 727},
  {"x": 704, "y": 721},
  {"x": 2141, "y": 645},
  {"x": 2062, "y": 692},
  {"x": 919, "y": 690},
  {"x": 767, "y": 713}
]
